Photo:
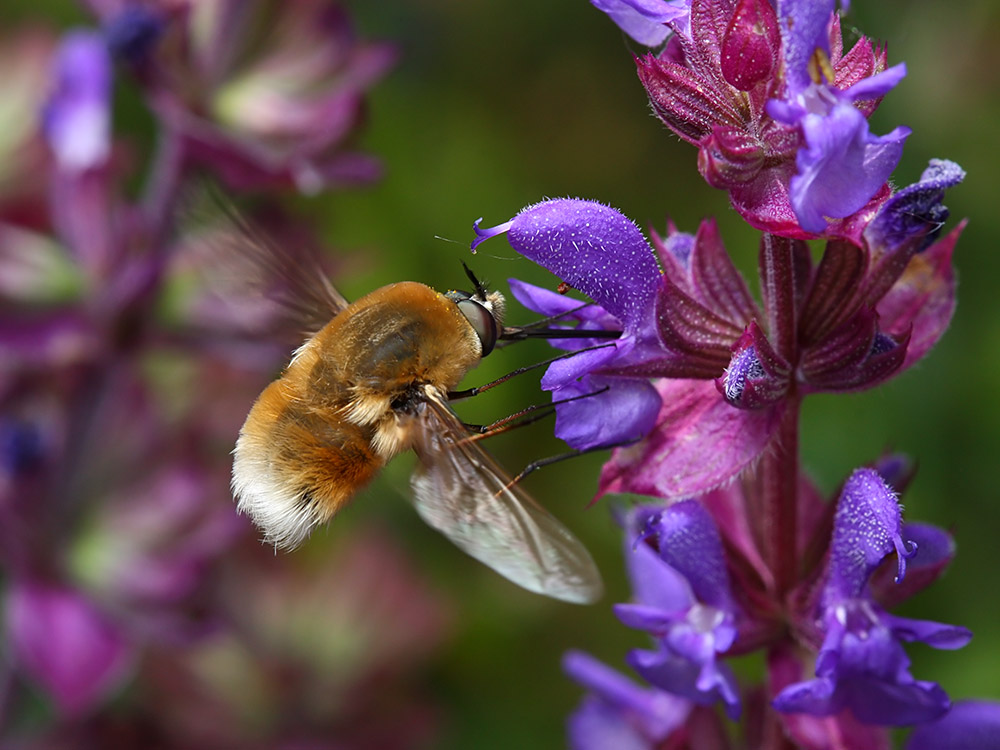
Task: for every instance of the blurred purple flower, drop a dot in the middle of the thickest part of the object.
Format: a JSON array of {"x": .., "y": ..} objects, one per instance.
[
  {"x": 969, "y": 725},
  {"x": 618, "y": 713},
  {"x": 65, "y": 644},
  {"x": 77, "y": 119},
  {"x": 26, "y": 55},
  {"x": 678, "y": 574},
  {"x": 266, "y": 94},
  {"x": 861, "y": 665}
]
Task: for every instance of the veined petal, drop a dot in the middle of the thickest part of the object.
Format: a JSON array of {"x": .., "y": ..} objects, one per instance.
[{"x": 699, "y": 443}]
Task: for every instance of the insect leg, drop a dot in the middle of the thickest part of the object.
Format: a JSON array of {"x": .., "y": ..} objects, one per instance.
[{"x": 470, "y": 392}]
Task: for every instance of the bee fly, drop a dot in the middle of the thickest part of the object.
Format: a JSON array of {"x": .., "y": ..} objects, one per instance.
[{"x": 374, "y": 382}]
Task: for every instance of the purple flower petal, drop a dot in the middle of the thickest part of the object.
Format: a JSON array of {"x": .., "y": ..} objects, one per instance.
[
  {"x": 63, "y": 643},
  {"x": 620, "y": 714},
  {"x": 593, "y": 248},
  {"x": 867, "y": 527},
  {"x": 704, "y": 684},
  {"x": 644, "y": 20},
  {"x": 77, "y": 120},
  {"x": 804, "y": 26},
  {"x": 970, "y": 725},
  {"x": 841, "y": 166},
  {"x": 585, "y": 423}
]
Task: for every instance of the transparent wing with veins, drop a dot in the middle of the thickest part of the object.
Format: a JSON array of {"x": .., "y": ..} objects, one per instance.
[{"x": 462, "y": 492}]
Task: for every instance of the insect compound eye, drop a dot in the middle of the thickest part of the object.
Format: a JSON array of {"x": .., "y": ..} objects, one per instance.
[{"x": 482, "y": 321}]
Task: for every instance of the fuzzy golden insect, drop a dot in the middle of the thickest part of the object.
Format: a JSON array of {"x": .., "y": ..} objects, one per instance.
[{"x": 374, "y": 382}]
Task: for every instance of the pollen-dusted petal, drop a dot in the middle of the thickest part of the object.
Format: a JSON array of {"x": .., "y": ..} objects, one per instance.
[
  {"x": 699, "y": 443},
  {"x": 593, "y": 248},
  {"x": 867, "y": 527}
]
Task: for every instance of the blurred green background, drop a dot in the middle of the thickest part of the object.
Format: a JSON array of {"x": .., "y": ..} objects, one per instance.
[{"x": 497, "y": 105}]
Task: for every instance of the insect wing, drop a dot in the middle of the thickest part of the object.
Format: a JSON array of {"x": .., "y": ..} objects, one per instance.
[
  {"x": 290, "y": 277},
  {"x": 462, "y": 492}
]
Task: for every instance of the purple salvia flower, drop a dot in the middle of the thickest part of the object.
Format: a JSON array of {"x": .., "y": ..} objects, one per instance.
[
  {"x": 969, "y": 725},
  {"x": 678, "y": 574},
  {"x": 61, "y": 641},
  {"x": 777, "y": 112},
  {"x": 600, "y": 252},
  {"x": 841, "y": 166},
  {"x": 861, "y": 665},
  {"x": 77, "y": 118},
  {"x": 645, "y": 20},
  {"x": 618, "y": 713},
  {"x": 698, "y": 320}
]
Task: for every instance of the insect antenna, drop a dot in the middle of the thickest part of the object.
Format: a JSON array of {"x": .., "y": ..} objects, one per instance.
[{"x": 479, "y": 286}]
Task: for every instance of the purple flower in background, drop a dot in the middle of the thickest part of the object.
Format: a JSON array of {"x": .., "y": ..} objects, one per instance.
[
  {"x": 268, "y": 99},
  {"x": 969, "y": 725},
  {"x": 62, "y": 641},
  {"x": 678, "y": 574},
  {"x": 77, "y": 118},
  {"x": 861, "y": 665},
  {"x": 618, "y": 713}
]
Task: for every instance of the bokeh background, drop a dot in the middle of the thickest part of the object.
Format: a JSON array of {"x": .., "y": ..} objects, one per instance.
[{"x": 493, "y": 106}]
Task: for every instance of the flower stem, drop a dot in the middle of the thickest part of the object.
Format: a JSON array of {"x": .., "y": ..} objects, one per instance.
[
  {"x": 779, "y": 469},
  {"x": 779, "y": 474}
]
